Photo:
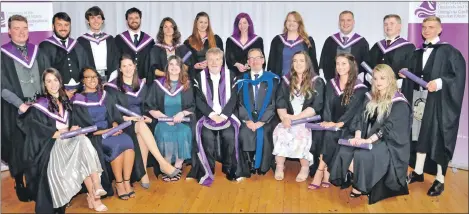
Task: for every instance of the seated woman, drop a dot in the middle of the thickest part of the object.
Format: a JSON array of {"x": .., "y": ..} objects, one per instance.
[
  {"x": 172, "y": 96},
  {"x": 57, "y": 167},
  {"x": 300, "y": 96},
  {"x": 385, "y": 123},
  {"x": 343, "y": 97},
  {"x": 129, "y": 91},
  {"x": 93, "y": 106}
]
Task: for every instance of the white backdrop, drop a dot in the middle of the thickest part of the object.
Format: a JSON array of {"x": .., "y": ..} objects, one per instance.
[{"x": 321, "y": 18}]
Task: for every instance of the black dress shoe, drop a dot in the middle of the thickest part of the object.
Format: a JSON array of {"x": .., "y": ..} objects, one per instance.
[
  {"x": 348, "y": 180},
  {"x": 414, "y": 177},
  {"x": 436, "y": 189},
  {"x": 260, "y": 172}
]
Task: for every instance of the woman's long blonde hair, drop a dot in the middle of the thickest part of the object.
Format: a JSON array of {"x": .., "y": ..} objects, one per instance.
[
  {"x": 381, "y": 104},
  {"x": 301, "y": 27}
]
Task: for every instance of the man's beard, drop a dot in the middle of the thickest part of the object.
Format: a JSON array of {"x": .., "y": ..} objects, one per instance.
[
  {"x": 60, "y": 37},
  {"x": 132, "y": 28}
]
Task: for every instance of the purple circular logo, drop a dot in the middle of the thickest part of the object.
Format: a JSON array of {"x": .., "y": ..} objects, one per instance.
[{"x": 426, "y": 9}]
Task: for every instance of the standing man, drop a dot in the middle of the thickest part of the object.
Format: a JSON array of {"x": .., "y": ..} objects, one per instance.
[
  {"x": 444, "y": 68},
  {"x": 135, "y": 42},
  {"x": 99, "y": 46}
]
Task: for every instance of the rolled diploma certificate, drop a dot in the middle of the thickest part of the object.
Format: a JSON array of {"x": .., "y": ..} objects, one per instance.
[
  {"x": 116, "y": 129},
  {"x": 170, "y": 119},
  {"x": 306, "y": 120},
  {"x": 77, "y": 132},
  {"x": 127, "y": 111},
  {"x": 367, "y": 67},
  {"x": 414, "y": 78},
  {"x": 317, "y": 127},
  {"x": 346, "y": 142}
]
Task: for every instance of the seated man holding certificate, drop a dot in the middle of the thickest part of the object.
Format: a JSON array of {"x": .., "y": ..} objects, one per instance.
[
  {"x": 385, "y": 123},
  {"x": 299, "y": 97}
]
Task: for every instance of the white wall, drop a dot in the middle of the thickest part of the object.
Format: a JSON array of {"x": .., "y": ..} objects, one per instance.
[{"x": 321, "y": 18}]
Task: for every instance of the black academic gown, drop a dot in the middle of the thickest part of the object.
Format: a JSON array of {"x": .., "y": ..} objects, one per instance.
[
  {"x": 357, "y": 46},
  {"x": 124, "y": 43},
  {"x": 81, "y": 117},
  {"x": 12, "y": 136},
  {"x": 382, "y": 171},
  {"x": 155, "y": 101},
  {"x": 397, "y": 55},
  {"x": 112, "y": 57},
  {"x": 248, "y": 138},
  {"x": 237, "y": 52},
  {"x": 68, "y": 61},
  {"x": 316, "y": 102},
  {"x": 440, "y": 121},
  {"x": 158, "y": 58},
  {"x": 121, "y": 98},
  {"x": 39, "y": 127},
  {"x": 199, "y": 56},
  {"x": 275, "y": 63},
  {"x": 335, "y": 112}
]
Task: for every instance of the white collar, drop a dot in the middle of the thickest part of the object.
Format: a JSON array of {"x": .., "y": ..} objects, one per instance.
[
  {"x": 434, "y": 41},
  {"x": 58, "y": 39},
  {"x": 392, "y": 39},
  {"x": 214, "y": 76},
  {"x": 350, "y": 35},
  {"x": 91, "y": 32},
  {"x": 132, "y": 33},
  {"x": 253, "y": 73}
]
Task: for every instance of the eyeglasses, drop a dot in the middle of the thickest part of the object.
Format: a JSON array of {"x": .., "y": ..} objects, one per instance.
[
  {"x": 91, "y": 77},
  {"x": 257, "y": 58}
]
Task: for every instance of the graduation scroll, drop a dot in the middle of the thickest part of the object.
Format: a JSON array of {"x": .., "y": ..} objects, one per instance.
[
  {"x": 367, "y": 67},
  {"x": 127, "y": 111},
  {"x": 77, "y": 132},
  {"x": 306, "y": 120},
  {"x": 317, "y": 127},
  {"x": 414, "y": 78},
  {"x": 170, "y": 119},
  {"x": 346, "y": 142},
  {"x": 116, "y": 129}
]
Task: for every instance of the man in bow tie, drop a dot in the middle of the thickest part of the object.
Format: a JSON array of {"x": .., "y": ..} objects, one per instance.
[
  {"x": 99, "y": 46},
  {"x": 64, "y": 53},
  {"x": 444, "y": 68},
  {"x": 344, "y": 41}
]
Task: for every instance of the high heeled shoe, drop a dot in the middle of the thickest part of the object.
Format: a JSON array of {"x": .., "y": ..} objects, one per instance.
[
  {"x": 312, "y": 186},
  {"x": 131, "y": 194},
  {"x": 123, "y": 196},
  {"x": 98, "y": 192},
  {"x": 93, "y": 206}
]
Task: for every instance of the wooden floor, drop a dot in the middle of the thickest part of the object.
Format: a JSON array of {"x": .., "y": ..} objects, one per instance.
[{"x": 261, "y": 194}]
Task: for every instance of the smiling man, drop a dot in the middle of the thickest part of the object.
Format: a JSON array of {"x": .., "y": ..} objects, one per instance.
[
  {"x": 345, "y": 41},
  {"x": 135, "y": 42},
  {"x": 64, "y": 53},
  {"x": 100, "y": 47}
]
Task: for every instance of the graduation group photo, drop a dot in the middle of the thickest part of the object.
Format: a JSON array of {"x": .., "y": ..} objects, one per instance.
[{"x": 146, "y": 107}]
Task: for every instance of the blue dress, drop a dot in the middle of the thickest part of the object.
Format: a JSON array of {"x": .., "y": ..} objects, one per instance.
[
  {"x": 173, "y": 141},
  {"x": 288, "y": 56},
  {"x": 113, "y": 146}
]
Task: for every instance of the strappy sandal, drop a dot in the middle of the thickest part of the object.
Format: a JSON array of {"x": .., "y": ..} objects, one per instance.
[
  {"x": 131, "y": 194},
  {"x": 123, "y": 196},
  {"x": 178, "y": 176},
  {"x": 91, "y": 204},
  {"x": 326, "y": 183},
  {"x": 312, "y": 186}
]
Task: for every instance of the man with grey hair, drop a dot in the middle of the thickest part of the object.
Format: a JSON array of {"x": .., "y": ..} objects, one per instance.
[{"x": 216, "y": 100}]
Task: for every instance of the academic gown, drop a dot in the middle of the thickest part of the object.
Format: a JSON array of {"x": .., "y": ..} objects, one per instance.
[
  {"x": 275, "y": 62},
  {"x": 112, "y": 57},
  {"x": 124, "y": 43},
  {"x": 229, "y": 144},
  {"x": 440, "y": 121},
  {"x": 357, "y": 46},
  {"x": 237, "y": 52},
  {"x": 260, "y": 141},
  {"x": 335, "y": 112},
  {"x": 39, "y": 126},
  {"x": 68, "y": 61},
  {"x": 122, "y": 99},
  {"x": 316, "y": 102},
  {"x": 155, "y": 101},
  {"x": 12, "y": 136},
  {"x": 199, "y": 56},
  {"x": 397, "y": 55},
  {"x": 82, "y": 118},
  {"x": 158, "y": 58},
  {"x": 382, "y": 171}
]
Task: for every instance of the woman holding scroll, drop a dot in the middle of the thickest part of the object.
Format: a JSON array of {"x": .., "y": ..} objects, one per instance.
[
  {"x": 93, "y": 106},
  {"x": 129, "y": 91},
  {"x": 53, "y": 163},
  {"x": 300, "y": 95},
  {"x": 385, "y": 123},
  {"x": 172, "y": 96},
  {"x": 343, "y": 97}
]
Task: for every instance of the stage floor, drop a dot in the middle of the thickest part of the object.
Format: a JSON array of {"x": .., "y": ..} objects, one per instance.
[{"x": 261, "y": 194}]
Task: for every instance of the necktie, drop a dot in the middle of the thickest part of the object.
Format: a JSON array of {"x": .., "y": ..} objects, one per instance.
[
  {"x": 97, "y": 35},
  {"x": 429, "y": 45},
  {"x": 135, "y": 40},
  {"x": 23, "y": 50},
  {"x": 256, "y": 89},
  {"x": 388, "y": 42},
  {"x": 63, "y": 43},
  {"x": 345, "y": 39}
]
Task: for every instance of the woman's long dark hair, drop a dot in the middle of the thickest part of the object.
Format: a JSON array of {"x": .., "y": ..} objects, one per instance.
[
  {"x": 183, "y": 76},
  {"x": 120, "y": 77},
  {"x": 352, "y": 77},
  {"x": 176, "y": 35},
  {"x": 52, "y": 101},
  {"x": 307, "y": 86}
]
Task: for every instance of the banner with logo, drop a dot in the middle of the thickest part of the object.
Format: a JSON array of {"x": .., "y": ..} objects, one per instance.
[
  {"x": 454, "y": 18},
  {"x": 39, "y": 15}
]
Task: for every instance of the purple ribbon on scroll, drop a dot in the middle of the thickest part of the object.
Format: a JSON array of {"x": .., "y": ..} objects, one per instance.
[
  {"x": 77, "y": 132},
  {"x": 170, "y": 119},
  {"x": 127, "y": 111},
  {"x": 317, "y": 127},
  {"x": 367, "y": 67},
  {"x": 306, "y": 120},
  {"x": 414, "y": 78},
  {"x": 116, "y": 129},
  {"x": 346, "y": 142}
]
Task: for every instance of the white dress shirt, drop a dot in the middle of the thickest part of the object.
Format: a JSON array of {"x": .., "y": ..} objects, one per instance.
[
  {"x": 254, "y": 86},
  {"x": 132, "y": 33},
  {"x": 426, "y": 55},
  {"x": 216, "y": 107},
  {"x": 99, "y": 54}
]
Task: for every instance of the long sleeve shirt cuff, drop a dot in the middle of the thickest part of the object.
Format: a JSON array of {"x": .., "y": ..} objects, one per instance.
[{"x": 439, "y": 84}]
